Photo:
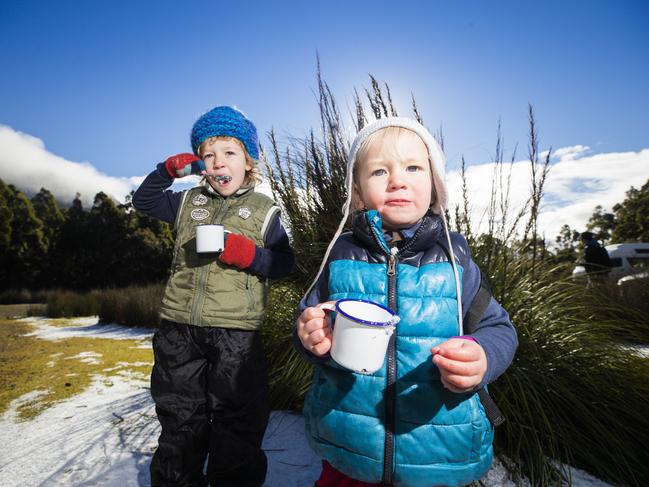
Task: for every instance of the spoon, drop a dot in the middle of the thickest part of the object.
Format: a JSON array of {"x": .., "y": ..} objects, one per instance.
[{"x": 220, "y": 179}]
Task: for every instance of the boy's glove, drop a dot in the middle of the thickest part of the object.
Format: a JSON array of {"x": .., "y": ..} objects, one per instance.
[
  {"x": 183, "y": 165},
  {"x": 239, "y": 251}
]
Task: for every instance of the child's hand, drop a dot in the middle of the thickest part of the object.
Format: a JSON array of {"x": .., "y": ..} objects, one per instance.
[
  {"x": 239, "y": 251},
  {"x": 183, "y": 165},
  {"x": 462, "y": 364},
  {"x": 314, "y": 330}
]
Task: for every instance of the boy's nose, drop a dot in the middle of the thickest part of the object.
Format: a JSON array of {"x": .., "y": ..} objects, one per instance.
[
  {"x": 218, "y": 162},
  {"x": 397, "y": 181}
]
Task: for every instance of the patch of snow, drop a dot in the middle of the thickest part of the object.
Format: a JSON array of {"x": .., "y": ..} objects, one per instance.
[
  {"x": 106, "y": 436},
  {"x": 87, "y": 327},
  {"x": 87, "y": 357},
  {"x": 101, "y": 437}
]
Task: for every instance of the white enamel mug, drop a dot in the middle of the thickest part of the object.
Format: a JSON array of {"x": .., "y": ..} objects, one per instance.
[
  {"x": 361, "y": 333},
  {"x": 209, "y": 238}
]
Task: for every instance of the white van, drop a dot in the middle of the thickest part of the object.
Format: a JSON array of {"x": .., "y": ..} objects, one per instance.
[{"x": 626, "y": 258}]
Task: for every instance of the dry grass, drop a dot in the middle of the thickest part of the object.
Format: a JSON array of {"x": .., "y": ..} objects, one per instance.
[
  {"x": 62, "y": 368},
  {"x": 21, "y": 310}
]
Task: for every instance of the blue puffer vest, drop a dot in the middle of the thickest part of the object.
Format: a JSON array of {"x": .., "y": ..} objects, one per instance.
[{"x": 399, "y": 425}]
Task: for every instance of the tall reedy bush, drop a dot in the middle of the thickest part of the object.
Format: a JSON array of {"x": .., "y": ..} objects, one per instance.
[{"x": 575, "y": 391}]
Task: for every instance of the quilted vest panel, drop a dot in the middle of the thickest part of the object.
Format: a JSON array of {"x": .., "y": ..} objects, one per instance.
[
  {"x": 201, "y": 290},
  {"x": 441, "y": 438}
]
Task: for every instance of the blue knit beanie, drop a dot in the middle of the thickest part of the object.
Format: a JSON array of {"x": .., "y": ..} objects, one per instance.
[{"x": 225, "y": 122}]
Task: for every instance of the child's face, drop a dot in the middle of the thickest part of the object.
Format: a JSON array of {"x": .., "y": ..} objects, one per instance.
[
  {"x": 394, "y": 178},
  {"x": 225, "y": 157}
]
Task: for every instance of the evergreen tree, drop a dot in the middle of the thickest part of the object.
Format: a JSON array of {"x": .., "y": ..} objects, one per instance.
[
  {"x": 6, "y": 218},
  {"x": 70, "y": 256},
  {"x": 602, "y": 224},
  {"x": 107, "y": 233},
  {"x": 567, "y": 242},
  {"x": 632, "y": 216},
  {"x": 26, "y": 243},
  {"x": 50, "y": 214},
  {"x": 149, "y": 247}
]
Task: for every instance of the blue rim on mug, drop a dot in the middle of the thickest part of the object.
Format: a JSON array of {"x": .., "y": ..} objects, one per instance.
[{"x": 365, "y": 322}]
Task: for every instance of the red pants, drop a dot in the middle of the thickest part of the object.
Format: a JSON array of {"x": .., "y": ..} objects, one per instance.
[{"x": 330, "y": 477}]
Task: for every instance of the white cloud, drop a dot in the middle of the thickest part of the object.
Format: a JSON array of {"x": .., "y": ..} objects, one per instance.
[
  {"x": 29, "y": 166},
  {"x": 574, "y": 186},
  {"x": 568, "y": 152}
]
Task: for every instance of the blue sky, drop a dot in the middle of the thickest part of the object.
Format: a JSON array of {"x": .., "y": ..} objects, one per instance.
[{"x": 118, "y": 84}]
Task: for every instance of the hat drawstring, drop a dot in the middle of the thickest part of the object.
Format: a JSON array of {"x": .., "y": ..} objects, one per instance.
[
  {"x": 456, "y": 275},
  {"x": 345, "y": 208}
]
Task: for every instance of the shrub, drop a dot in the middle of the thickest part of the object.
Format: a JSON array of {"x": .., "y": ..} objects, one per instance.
[
  {"x": 131, "y": 306},
  {"x": 67, "y": 304}
]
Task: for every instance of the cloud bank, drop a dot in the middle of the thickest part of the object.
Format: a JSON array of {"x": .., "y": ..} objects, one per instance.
[
  {"x": 576, "y": 183},
  {"x": 28, "y": 165}
]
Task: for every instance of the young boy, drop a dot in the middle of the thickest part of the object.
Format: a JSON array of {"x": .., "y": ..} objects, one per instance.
[
  {"x": 209, "y": 379},
  {"x": 418, "y": 420}
]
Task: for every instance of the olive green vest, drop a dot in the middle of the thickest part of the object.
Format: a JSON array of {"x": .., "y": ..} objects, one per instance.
[{"x": 203, "y": 291}]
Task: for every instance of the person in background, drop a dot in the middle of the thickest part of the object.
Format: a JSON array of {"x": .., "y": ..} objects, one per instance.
[{"x": 596, "y": 259}]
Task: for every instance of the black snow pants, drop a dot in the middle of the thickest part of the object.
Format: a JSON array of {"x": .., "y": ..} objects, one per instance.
[{"x": 210, "y": 389}]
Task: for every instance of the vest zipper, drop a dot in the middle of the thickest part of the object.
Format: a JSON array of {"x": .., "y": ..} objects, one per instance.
[
  {"x": 391, "y": 372},
  {"x": 391, "y": 363},
  {"x": 199, "y": 299},
  {"x": 249, "y": 293}
]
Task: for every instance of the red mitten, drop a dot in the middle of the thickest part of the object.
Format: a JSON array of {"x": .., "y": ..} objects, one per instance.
[
  {"x": 183, "y": 165},
  {"x": 239, "y": 251}
]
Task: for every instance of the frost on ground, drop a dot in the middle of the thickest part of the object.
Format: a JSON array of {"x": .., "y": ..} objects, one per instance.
[
  {"x": 106, "y": 435},
  {"x": 86, "y": 327}
]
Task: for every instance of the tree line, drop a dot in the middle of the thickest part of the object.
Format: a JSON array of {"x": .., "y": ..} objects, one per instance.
[{"x": 44, "y": 246}]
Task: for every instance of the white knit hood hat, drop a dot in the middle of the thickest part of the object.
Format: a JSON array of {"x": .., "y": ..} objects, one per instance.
[
  {"x": 437, "y": 166},
  {"x": 435, "y": 157}
]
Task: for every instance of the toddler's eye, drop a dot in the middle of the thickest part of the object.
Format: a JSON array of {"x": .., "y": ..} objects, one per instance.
[
  {"x": 378, "y": 172},
  {"x": 413, "y": 168},
  {"x": 207, "y": 156},
  {"x": 230, "y": 153}
]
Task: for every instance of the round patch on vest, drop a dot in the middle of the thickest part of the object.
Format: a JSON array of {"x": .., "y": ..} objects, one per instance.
[
  {"x": 199, "y": 214},
  {"x": 245, "y": 213},
  {"x": 199, "y": 200}
]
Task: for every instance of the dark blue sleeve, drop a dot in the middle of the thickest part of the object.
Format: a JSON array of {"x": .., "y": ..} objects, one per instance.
[
  {"x": 153, "y": 198},
  {"x": 495, "y": 332},
  {"x": 275, "y": 260}
]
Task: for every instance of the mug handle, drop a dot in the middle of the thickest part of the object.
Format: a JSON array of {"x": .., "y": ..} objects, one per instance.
[
  {"x": 327, "y": 306},
  {"x": 331, "y": 307}
]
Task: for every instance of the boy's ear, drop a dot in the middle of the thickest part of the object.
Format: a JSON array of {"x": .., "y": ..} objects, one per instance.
[{"x": 357, "y": 200}]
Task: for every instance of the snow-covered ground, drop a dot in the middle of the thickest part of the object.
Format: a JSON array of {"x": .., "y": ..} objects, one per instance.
[{"x": 106, "y": 435}]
